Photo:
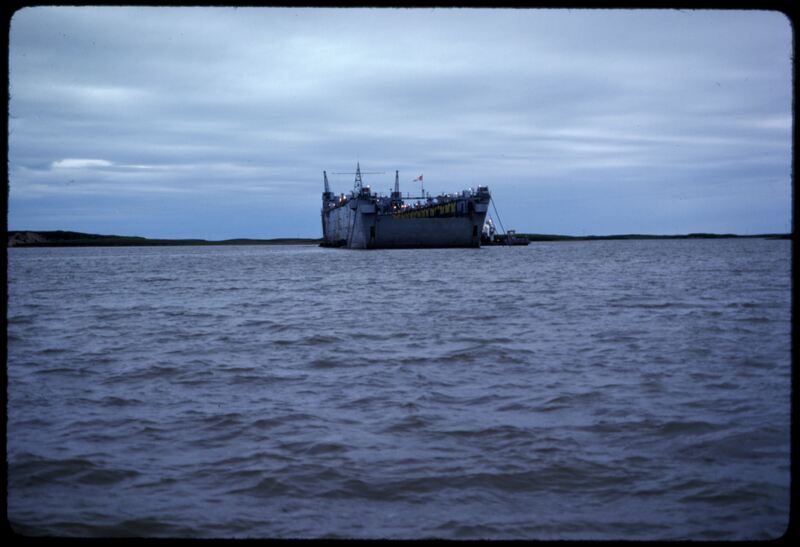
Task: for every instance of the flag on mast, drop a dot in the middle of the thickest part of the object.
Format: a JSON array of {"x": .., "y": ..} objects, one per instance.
[{"x": 418, "y": 179}]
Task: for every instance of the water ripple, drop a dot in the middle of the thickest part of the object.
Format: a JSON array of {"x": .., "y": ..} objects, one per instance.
[{"x": 611, "y": 390}]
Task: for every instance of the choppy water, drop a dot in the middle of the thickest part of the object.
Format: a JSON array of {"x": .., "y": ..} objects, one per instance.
[{"x": 584, "y": 390}]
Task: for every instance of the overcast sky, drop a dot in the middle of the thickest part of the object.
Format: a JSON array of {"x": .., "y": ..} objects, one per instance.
[{"x": 218, "y": 122}]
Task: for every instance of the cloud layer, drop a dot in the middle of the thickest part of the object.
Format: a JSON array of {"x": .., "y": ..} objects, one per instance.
[{"x": 218, "y": 122}]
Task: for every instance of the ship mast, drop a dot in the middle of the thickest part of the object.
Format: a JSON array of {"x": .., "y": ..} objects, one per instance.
[
  {"x": 326, "y": 195},
  {"x": 358, "y": 184},
  {"x": 396, "y": 197},
  {"x": 358, "y": 177}
]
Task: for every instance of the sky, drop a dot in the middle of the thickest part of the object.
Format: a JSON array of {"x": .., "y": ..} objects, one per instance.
[{"x": 217, "y": 123}]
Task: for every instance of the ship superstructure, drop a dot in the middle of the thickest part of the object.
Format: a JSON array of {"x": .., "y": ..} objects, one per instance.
[{"x": 363, "y": 219}]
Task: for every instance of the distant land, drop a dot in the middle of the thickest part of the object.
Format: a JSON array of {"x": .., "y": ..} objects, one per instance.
[
  {"x": 546, "y": 237},
  {"x": 60, "y": 238}
]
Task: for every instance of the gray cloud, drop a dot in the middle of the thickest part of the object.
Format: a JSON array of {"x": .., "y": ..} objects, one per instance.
[{"x": 200, "y": 122}]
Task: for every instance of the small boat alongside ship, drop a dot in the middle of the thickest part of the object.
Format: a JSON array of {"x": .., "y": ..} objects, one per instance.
[
  {"x": 490, "y": 236},
  {"x": 513, "y": 239}
]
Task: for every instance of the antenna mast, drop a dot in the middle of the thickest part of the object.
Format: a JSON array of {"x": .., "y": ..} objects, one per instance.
[
  {"x": 358, "y": 182},
  {"x": 396, "y": 197},
  {"x": 358, "y": 176},
  {"x": 326, "y": 195}
]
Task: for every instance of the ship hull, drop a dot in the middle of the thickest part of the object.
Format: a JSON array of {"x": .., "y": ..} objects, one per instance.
[{"x": 391, "y": 233}]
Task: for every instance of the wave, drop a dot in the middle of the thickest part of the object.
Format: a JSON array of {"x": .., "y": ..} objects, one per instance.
[
  {"x": 42, "y": 471},
  {"x": 615, "y": 385}
]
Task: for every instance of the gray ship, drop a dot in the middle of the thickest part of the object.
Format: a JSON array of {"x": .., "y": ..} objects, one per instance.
[{"x": 366, "y": 220}]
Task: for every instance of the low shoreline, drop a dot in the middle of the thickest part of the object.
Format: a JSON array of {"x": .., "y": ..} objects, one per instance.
[
  {"x": 78, "y": 239},
  {"x": 59, "y": 238},
  {"x": 546, "y": 237}
]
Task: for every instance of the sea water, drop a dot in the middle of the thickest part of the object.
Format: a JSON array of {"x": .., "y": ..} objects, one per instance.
[{"x": 566, "y": 390}]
